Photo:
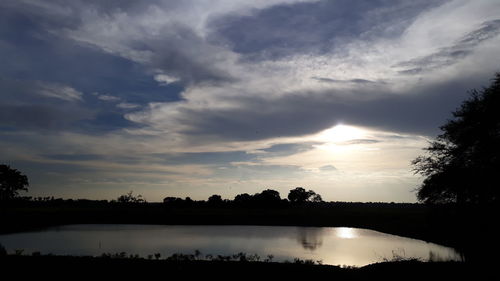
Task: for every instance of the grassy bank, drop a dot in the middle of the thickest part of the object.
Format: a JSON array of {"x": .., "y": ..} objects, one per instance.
[{"x": 117, "y": 268}]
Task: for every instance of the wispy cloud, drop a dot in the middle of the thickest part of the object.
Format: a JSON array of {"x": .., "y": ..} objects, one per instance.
[
  {"x": 126, "y": 105},
  {"x": 108, "y": 98},
  {"x": 447, "y": 56},
  {"x": 59, "y": 91}
]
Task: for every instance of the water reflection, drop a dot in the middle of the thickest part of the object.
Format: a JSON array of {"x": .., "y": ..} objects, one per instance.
[
  {"x": 310, "y": 238},
  {"x": 346, "y": 232},
  {"x": 337, "y": 246}
]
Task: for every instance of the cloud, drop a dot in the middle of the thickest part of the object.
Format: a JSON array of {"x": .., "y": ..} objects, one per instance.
[
  {"x": 125, "y": 105},
  {"x": 40, "y": 117},
  {"x": 223, "y": 79},
  {"x": 164, "y": 79},
  {"x": 165, "y": 36},
  {"x": 354, "y": 83},
  {"x": 452, "y": 54},
  {"x": 359, "y": 141},
  {"x": 254, "y": 117},
  {"x": 108, "y": 98},
  {"x": 59, "y": 91},
  {"x": 327, "y": 168},
  {"x": 27, "y": 105},
  {"x": 25, "y": 91},
  {"x": 74, "y": 157},
  {"x": 330, "y": 80},
  {"x": 228, "y": 93},
  {"x": 313, "y": 27}
]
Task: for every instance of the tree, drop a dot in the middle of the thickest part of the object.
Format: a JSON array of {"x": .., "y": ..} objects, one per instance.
[
  {"x": 171, "y": 200},
  {"x": 300, "y": 195},
  {"x": 11, "y": 182},
  {"x": 242, "y": 198},
  {"x": 267, "y": 197},
  {"x": 316, "y": 198},
  {"x": 130, "y": 198},
  {"x": 215, "y": 199},
  {"x": 462, "y": 163}
]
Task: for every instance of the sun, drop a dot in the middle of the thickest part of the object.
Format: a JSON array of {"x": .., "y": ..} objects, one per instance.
[{"x": 341, "y": 133}]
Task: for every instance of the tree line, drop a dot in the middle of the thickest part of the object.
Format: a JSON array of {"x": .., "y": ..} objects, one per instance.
[{"x": 266, "y": 198}]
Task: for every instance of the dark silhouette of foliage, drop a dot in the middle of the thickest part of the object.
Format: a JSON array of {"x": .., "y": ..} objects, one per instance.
[
  {"x": 217, "y": 268},
  {"x": 178, "y": 202},
  {"x": 267, "y": 197},
  {"x": 130, "y": 198},
  {"x": 316, "y": 198},
  {"x": 3, "y": 251},
  {"x": 172, "y": 200},
  {"x": 299, "y": 195},
  {"x": 11, "y": 182},
  {"x": 462, "y": 163},
  {"x": 243, "y": 199},
  {"x": 215, "y": 200}
]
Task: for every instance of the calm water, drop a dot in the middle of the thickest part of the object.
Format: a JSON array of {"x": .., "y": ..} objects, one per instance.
[{"x": 332, "y": 245}]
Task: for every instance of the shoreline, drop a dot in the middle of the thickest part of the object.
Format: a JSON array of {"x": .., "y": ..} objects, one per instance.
[{"x": 139, "y": 267}]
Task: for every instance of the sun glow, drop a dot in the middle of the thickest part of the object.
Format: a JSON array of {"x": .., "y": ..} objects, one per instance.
[{"x": 341, "y": 133}]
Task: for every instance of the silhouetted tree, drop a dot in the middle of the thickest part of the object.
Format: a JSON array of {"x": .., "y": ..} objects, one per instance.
[
  {"x": 215, "y": 199},
  {"x": 267, "y": 197},
  {"x": 171, "y": 200},
  {"x": 462, "y": 163},
  {"x": 130, "y": 198},
  {"x": 11, "y": 182},
  {"x": 244, "y": 199},
  {"x": 188, "y": 201},
  {"x": 241, "y": 198},
  {"x": 300, "y": 195},
  {"x": 316, "y": 198},
  {"x": 3, "y": 251}
]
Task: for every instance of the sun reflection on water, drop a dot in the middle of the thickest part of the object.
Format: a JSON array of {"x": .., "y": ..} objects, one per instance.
[{"x": 346, "y": 233}]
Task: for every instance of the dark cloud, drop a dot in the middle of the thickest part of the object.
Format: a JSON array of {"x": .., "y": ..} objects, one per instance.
[
  {"x": 176, "y": 50},
  {"x": 74, "y": 157},
  {"x": 228, "y": 157},
  {"x": 103, "y": 122},
  {"x": 39, "y": 105},
  {"x": 40, "y": 117},
  {"x": 203, "y": 158},
  {"x": 421, "y": 111},
  {"x": 182, "y": 53},
  {"x": 44, "y": 77},
  {"x": 28, "y": 105},
  {"x": 353, "y": 81},
  {"x": 317, "y": 27},
  {"x": 31, "y": 52},
  {"x": 454, "y": 53},
  {"x": 359, "y": 141},
  {"x": 285, "y": 149}
]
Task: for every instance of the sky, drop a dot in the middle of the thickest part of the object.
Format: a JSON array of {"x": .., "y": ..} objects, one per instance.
[{"x": 200, "y": 97}]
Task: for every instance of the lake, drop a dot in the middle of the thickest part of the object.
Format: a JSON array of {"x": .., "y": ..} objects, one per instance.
[{"x": 331, "y": 245}]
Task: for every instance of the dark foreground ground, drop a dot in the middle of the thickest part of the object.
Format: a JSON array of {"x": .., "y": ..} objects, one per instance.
[{"x": 58, "y": 267}]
